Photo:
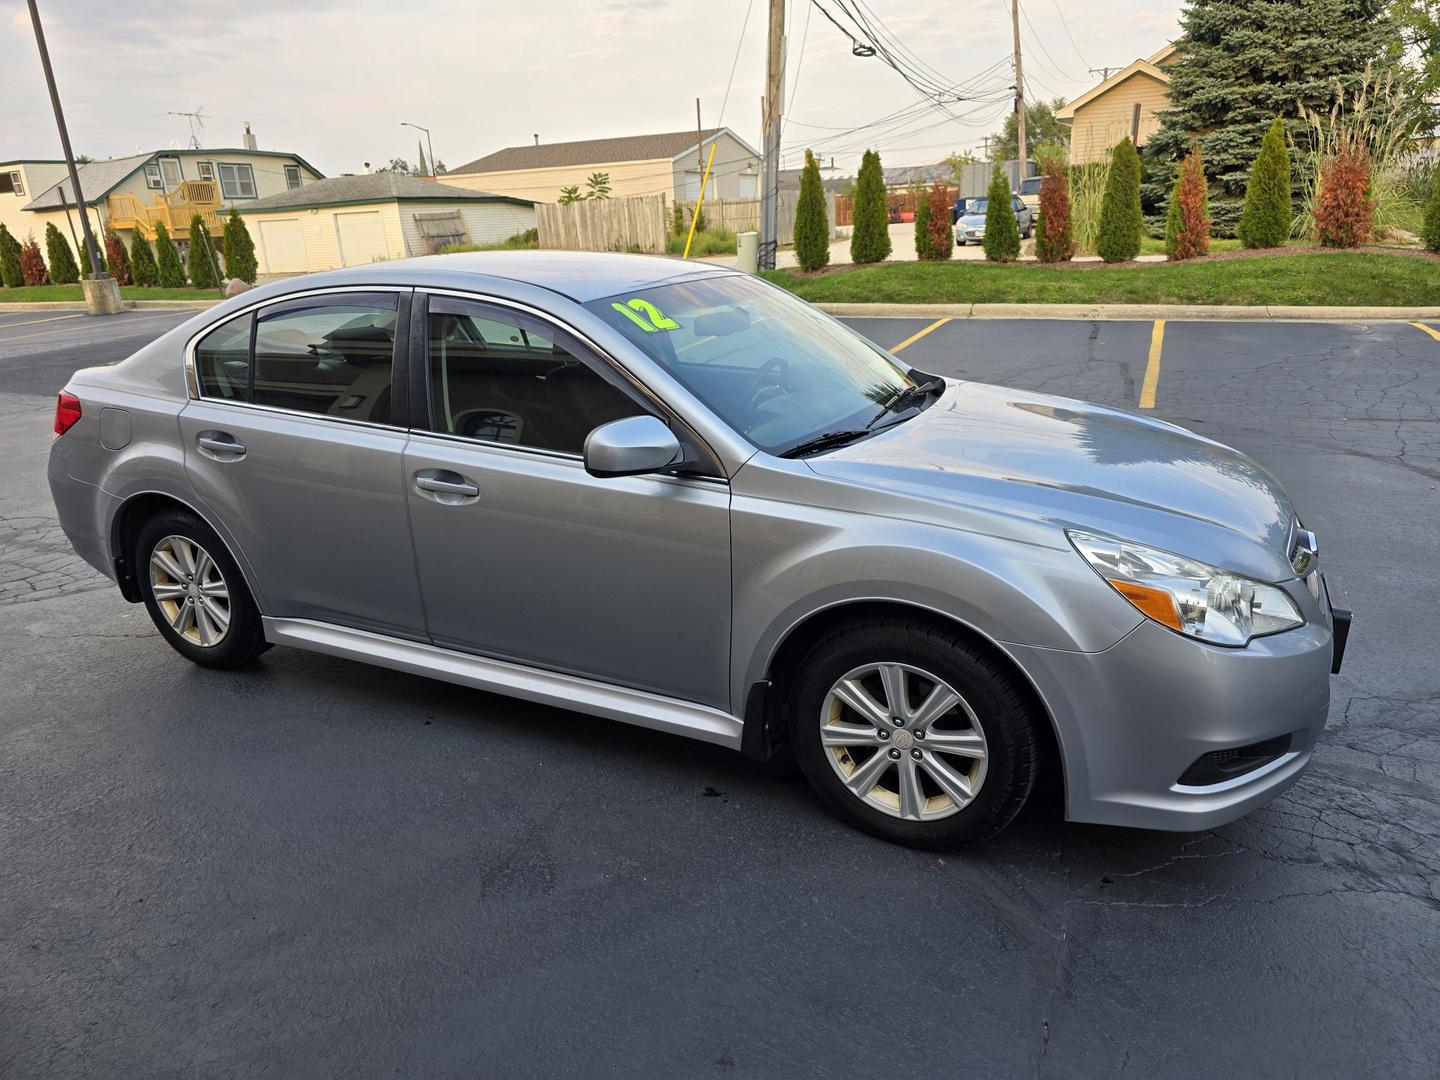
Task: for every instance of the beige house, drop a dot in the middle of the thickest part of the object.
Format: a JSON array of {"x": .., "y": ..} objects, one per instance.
[
  {"x": 670, "y": 163},
  {"x": 142, "y": 190},
  {"x": 350, "y": 220},
  {"x": 1126, "y": 104}
]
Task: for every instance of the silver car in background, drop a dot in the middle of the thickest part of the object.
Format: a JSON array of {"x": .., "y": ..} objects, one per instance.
[
  {"x": 970, "y": 228},
  {"x": 677, "y": 496}
]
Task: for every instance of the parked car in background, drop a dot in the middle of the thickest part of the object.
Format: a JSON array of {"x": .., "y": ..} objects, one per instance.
[
  {"x": 1030, "y": 192},
  {"x": 958, "y": 210},
  {"x": 970, "y": 229},
  {"x": 675, "y": 495}
]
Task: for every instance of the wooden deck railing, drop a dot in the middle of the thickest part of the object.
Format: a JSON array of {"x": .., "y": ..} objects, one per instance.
[{"x": 127, "y": 211}]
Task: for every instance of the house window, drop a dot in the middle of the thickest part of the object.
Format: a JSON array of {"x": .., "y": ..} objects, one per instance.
[
  {"x": 152, "y": 177},
  {"x": 292, "y": 176},
  {"x": 237, "y": 181},
  {"x": 12, "y": 183},
  {"x": 170, "y": 170},
  {"x": 206, "y": 169}
]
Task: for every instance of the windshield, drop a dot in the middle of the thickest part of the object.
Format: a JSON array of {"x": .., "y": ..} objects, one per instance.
[
  {"x": 1032, "y": 185},
  {"x": 976, "y": 206},
  {"x": 771, "y": 366}
]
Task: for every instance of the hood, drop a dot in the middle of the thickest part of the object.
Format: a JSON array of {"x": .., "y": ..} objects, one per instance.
[
  {"x": 972, "y": 221},
  {"x": 984, "y": 450}
]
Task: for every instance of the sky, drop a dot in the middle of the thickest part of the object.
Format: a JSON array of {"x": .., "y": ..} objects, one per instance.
[{"x": 334, "y": 82}]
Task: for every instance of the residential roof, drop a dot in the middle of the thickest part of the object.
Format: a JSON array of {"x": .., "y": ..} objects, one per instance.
[
  {"x": 370, "y": 188},
  {"x": 905, "y": 175},
  {"x": 1139, "y": 67},
  {"x": 99, "y": 178},
  {"x": 669, "y": 144}
]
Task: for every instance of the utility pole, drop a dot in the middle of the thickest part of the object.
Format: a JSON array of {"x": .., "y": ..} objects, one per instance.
[
  {"x": 1103, "y": 72},
  {"x": 774, "y": 95},
  {"x": 1019, "y": 94},
  {"x": 699, "y": 150},
  {"x": 96, "y": 273}
]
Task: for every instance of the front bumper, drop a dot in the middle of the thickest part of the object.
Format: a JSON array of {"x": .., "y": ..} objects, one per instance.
[{"x": 1132, "y": 720}]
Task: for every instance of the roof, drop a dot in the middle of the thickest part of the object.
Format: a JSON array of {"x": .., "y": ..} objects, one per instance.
[
  {"x": 905, "y": 175},
  {"x": 99, "y": 178},
  {"x": 1163, "y": 55},
  {"x": 1139, "y": 67},
  {"x": 371, "y": 188},
  {"x": 669, "y": 144}
]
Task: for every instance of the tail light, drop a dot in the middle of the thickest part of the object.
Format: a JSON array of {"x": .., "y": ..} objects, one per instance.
[{"x": 67, "y": 412}]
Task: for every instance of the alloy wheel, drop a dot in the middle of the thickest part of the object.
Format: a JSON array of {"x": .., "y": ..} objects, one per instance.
[
  {"x": 903, "y": 741},
  {"x": 190, "y": 591}
]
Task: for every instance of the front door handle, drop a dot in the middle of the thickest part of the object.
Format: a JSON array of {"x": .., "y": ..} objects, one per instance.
[
  {"x": 444, "y": 486},
  {"x": 220, "y": 445}
]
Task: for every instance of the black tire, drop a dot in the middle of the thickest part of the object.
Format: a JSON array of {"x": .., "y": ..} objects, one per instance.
[
  {"x": 990, "y": 690},
  {"x": 244, "y": 638}
]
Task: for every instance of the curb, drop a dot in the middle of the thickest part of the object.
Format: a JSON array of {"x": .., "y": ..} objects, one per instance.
[
  {"x": 1137, "y": 312},
  {"x": 128, "y": 305}
]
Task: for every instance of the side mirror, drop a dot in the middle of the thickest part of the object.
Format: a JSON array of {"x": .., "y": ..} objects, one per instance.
[{"x": 630, "y": 447}]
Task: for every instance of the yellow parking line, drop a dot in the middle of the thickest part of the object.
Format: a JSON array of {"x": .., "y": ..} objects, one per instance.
[
  {"x": 1421, "y": 326},
  {"x": 34, "y": 322},
  {"x": 916, "y": 337},
  {"x": 1152, "y": 369}
]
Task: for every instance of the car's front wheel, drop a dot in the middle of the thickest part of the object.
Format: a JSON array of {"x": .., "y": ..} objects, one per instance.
[
  {"x": 912, "y": 733},
  {"x": 195, "y": 593}
]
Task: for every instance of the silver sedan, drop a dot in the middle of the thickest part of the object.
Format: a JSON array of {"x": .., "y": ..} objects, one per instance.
[{"x": 676, "y": 496}]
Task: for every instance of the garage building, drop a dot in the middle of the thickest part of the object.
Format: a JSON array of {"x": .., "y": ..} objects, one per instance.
[{"x": 350, "y": 220}]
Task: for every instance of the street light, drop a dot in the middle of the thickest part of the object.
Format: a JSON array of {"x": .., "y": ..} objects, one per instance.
[{"x": 428, "y": 145}]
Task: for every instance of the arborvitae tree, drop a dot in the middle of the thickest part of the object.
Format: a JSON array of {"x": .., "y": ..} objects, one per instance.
[
  {"x": 143, "y": 270},
  {"x": 942, "y": 235},
  {"x": 1002, "y": 232},
  {"x": 1429, "y": 231},
  {"x": 1344, "y": 209},
  {"x": 1241, "y": 65},
  {"x": 1054, "y": 235},
  {"x": 924, "y": 242},
  {"x": 870, "y": 233},
  {"x": 85, "y": 261},
  {"x": 32, "y": 263},
  {"x": 10, "y": 275},
  {"x": 63, "y": 270},
  {"x": 812, "y": 223},
  {"x": 203, "y": 273},
  {"x": 116, "y": 258},
  {"x": 1187, "y": 226},
  {"x": 171, "y": 271},
  {"x": 1120, "y": 217},
  {"x": 240, "y": 249},
  {"x": 1269, "y": 204}
]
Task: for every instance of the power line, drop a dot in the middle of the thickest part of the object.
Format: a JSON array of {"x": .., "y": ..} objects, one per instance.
[
  {"x": 731, "y": 81},
  {"x": 1066, "y": 25},
  {"x": 799, "y": 61}
]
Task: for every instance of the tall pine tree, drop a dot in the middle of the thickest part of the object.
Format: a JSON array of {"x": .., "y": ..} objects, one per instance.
[{"x": 1241, "y": 65}]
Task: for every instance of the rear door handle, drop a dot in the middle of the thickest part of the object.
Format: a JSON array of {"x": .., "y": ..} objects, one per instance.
[
  {"x": 220, "y": 445},
  {"x": 444, "y": 486}
]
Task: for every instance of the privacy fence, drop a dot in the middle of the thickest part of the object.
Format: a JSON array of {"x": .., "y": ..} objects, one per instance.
[
  {"x": 637, "y": 224},
  {"x": 743, "y": 215}
]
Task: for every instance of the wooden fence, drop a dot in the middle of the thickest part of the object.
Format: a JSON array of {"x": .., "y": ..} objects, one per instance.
[
  {"x": 637, "y": 224},
  {"x": 743, "y": 215},
  {"x": 903, "y": 201}
]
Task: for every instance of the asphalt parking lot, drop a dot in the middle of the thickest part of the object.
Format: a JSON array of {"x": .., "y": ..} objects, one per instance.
[{"x": 316, "y": 868}]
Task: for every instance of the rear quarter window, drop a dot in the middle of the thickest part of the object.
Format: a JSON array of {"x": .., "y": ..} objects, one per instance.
[{"x": 222, "y": 360}]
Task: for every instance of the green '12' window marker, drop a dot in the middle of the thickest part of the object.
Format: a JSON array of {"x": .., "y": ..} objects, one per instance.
[{"x": 646, "y": 315}]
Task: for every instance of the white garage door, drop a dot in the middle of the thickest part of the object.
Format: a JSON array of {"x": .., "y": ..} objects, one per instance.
[
  {"x": 283, "y": 246},
  {"x": 362, "y": 237}
]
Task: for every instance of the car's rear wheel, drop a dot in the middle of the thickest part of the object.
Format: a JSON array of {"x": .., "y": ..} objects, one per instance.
[
  {"x": 195, "y": 593},
  {"x": 913, "y": 734}
]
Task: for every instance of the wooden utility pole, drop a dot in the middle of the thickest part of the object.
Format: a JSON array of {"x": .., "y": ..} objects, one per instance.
[
  {"x": 699, "y": 147},
  {"x": 774, "y": 95},
  {"x": 1019, "y": 94}
]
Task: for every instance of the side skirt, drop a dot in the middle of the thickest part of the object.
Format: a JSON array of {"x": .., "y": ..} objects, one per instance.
[{"x": 513, "y": 680}]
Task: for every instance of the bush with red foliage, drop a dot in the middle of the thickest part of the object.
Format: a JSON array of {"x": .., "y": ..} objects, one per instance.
[
  {"x": 942, "y": 236},
  {"x": 32, "y": 264},
  {"x": 1187, "y": 228},
  {"x": 116, "y": 258},
  {"x": 1344, "y": 210},
  {"x": 1054, "y": 236}
]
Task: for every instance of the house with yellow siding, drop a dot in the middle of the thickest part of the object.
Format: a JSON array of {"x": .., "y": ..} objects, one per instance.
[
  {"x": 351, "y": 220},
  {"x": 1126, "y": 104},
  {"x": 670, "y": 163},
  {"x": 139, "y": 191}
]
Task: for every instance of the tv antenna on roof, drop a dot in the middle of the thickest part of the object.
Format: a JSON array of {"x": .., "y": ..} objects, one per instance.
[{"x": 196, "y": 120}]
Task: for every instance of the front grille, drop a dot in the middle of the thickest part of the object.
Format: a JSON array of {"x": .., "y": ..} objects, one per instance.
[{"x": 1220, "y": 765}]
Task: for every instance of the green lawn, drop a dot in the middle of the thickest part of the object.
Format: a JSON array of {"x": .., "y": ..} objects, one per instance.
[
  {"x": 128, "y": 292},
  {"x": 1151, "y": 246},
  {"x": 1353, "y": 279}
]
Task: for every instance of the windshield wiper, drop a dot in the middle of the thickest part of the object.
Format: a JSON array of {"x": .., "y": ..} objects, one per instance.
[
  {"x": 904, "y": 399},
  {"x": 825, "y": 442}
]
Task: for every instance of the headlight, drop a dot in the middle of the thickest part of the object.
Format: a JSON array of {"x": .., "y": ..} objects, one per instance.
[{"x": 1198, "y": 600}]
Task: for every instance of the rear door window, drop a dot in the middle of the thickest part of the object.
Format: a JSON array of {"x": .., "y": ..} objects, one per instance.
[
  {"x": 331, "y": 355},
  {"x": 222, "y": 360}
]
